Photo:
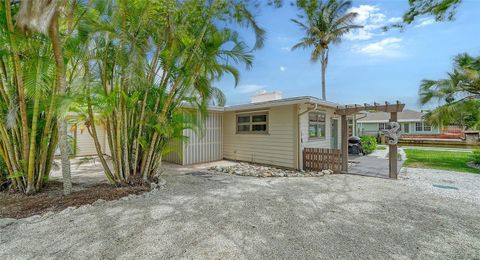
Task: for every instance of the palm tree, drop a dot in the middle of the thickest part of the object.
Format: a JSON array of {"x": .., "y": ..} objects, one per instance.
[
  {"x": 462, "y": 84},
  {"x": 325, "y": 24},
  {"x": 130, "y": 67},
  {"x": 42, "y": 16},
  {"x": 458, "y": 94},
  {"x": 139, "y": 71},
  {"x": 28, "y": 129}
]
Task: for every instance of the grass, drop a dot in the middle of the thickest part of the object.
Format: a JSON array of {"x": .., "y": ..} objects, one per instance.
[
  {"x": 381, "y": 148},
  {"x": 441, "y": 160}
]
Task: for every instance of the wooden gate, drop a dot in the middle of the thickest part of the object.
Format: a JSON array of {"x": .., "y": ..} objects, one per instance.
[{"x": 317, "y": 159}]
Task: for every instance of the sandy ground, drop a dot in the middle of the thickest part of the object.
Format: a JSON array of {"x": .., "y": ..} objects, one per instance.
[{"x": 213, "y": 216}]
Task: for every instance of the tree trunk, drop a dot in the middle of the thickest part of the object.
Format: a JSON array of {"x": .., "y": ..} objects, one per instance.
[
  {"x": 324, "y": 62},
  {"x": 62, "y": 89},
  {"x": 324, "y": 96}
]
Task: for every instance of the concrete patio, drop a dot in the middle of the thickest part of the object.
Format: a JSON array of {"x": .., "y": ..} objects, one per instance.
[{"x": 374, "y": 164}]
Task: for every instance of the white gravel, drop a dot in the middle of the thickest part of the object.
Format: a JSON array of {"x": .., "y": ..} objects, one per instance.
[
  {"x": 218, "y": 216},
  {"x": 454, "y": 185}
]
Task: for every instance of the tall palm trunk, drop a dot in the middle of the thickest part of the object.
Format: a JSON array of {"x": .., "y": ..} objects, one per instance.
[
  {"x": 324, "y": 68},
  {"x": 324, "y": 62},
  {"x": 62, "y": 89}
]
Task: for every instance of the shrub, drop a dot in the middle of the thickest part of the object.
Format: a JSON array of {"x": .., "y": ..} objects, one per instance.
[
  {"x": 369, "y": 144},
  {"x": 475, "y": 156}
]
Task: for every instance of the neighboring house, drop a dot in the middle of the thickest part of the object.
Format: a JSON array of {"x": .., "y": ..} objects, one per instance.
[{"x": 411, "y": 123}]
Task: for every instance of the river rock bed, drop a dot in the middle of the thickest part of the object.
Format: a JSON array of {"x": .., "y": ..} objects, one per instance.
[{"x": 247, "y": 169}]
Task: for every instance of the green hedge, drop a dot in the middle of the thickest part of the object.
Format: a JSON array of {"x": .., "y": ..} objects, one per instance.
[
  {"x": 475, "y": 156},
  {"x": 369, "y": 144}
]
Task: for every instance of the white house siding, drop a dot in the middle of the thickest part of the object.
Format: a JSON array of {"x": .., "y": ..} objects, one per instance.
[
  {"x": 306, "y": 142},
  {"x": 206, "y": 145},
  {"x": 85, "y": 143},
  {"x": 278, "y": 147},
  {"x": 201, "y": 146}
]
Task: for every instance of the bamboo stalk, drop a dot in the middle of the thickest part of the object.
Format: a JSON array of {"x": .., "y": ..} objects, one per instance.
[
  {"x": 20, "y": 84},
  {"x": 108, "y": 172},
  {"x": 33, "y": 136}
]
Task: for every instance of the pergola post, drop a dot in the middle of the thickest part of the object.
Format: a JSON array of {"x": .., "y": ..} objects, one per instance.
[
  {"x": 393, "y": 153},
  {"x": 344, "y": 144}
]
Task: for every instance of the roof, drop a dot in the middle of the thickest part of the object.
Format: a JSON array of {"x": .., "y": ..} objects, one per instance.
[
  {"x": 407, "y": 115},
  {"x": 283, "y": 102}
]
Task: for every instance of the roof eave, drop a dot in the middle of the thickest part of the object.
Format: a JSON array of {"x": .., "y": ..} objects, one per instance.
[{"x": 282, "y": 102}]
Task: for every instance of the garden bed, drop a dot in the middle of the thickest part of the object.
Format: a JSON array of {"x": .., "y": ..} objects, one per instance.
[
  {"x": 51, "y": 198},
  {"x": 256, "y": 170}
]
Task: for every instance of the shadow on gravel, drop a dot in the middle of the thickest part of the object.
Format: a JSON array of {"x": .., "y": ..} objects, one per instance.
[{"x": 338, "y": 216}]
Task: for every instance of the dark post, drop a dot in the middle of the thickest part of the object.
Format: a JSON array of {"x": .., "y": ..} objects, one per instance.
[{"x": 393, "y": 152}]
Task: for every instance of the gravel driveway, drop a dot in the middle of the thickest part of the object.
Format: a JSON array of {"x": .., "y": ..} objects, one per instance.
[{"x": 219, "y": 216}]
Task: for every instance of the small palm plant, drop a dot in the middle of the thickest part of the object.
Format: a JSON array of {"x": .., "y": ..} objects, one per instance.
[{"x": 324, "y": 24}]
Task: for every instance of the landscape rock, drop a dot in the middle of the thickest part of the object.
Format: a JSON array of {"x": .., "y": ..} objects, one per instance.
[
  {"x": 254, "y": 170},
  {"x": 153, "y": 185},
  {"x": 98, "y": 202},
  {"x": 4, "y": 222}
]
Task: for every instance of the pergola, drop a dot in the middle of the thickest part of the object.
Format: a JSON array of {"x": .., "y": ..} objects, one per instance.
[{"x": 347, "y": 110}]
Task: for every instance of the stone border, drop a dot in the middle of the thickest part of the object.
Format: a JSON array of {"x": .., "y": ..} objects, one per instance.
[{"x": 254, "y": 170}]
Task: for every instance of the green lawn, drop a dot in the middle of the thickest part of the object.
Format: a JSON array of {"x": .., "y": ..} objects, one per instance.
[
  {"x": 381, "y": 148},
  {"x": 442, "y": 160}
]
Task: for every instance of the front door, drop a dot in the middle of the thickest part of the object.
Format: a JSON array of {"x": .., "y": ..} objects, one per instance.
[{"x": 334, "y": 133}]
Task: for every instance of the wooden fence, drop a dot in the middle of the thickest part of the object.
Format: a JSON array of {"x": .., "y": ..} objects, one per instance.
[{"x": 317, "y": 159}]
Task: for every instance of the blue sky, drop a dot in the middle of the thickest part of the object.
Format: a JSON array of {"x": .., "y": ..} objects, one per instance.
[{"x": 369, "y": 65}]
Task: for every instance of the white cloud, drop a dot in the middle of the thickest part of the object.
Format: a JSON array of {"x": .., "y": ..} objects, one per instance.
[
  {"x": 388, "y": 47},
  {"x": 282, "y": 68},
  {"x": 395, "y": 20},
  {"x": 372, "y": 20},
  {"x": 250, "y": 88},
  {"x": 425, "y": 22},
  {"x": 286, "y": 48}
]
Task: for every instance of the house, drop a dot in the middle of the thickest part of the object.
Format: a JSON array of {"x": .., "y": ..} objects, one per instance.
[
  {"x": 411, "y": 123},
  {"x": 269, "y": 130}
]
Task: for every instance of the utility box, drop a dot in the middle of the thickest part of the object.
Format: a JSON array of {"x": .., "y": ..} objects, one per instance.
[{"x": 472, "y": 137}]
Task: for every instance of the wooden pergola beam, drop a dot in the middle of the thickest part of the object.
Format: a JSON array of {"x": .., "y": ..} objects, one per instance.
[{"x": 353, "y": 109}]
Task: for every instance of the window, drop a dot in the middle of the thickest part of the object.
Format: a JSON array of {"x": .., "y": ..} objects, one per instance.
[
  {"x": 351, "y": 127},
  {"x": 406, "y": 128},
  {"x": 422, "y": 127},
  {"x": 316, "y": 125},
  {"x": 427, "y": 128},
  {"x": 252, "y": 123},
  {"x": 418, "y": 127},
  {"x": 382, "y": 126}
]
